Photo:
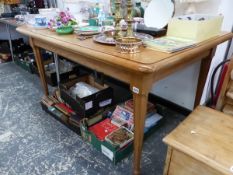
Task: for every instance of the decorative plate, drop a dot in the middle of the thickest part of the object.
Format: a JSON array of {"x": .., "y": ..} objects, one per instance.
[
  {"x": 158, "y": 13},
  {"x": 88, "y": 29},
  {"x": 103, "y": 39}
]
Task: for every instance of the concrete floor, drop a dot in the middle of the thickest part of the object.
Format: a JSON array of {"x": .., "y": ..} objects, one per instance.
[{"x": 32, "y": 142}]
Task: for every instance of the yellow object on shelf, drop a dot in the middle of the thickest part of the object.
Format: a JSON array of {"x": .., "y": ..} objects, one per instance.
[{"x": 195, "y": 27}]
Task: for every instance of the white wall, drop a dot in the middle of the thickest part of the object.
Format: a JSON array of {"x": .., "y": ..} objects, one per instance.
[
  {"x": 225, "y": 8},
  {"x": 180, "y": 88}
]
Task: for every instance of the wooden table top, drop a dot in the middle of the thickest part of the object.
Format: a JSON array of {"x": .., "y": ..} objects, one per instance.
[
  {"x": 206, "y": 135},
  {"x": 146, "y": 61}
]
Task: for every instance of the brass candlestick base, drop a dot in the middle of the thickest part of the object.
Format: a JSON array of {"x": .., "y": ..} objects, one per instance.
[{"x": 117, "y": 18}]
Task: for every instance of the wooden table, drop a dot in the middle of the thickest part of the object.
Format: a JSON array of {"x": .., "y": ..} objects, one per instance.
[
  {"x": 201, "y": 145},
  {"x": 139, "y": 70}
]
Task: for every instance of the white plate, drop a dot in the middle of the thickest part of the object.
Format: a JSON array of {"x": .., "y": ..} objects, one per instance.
[{"x": 158, "y": 13}]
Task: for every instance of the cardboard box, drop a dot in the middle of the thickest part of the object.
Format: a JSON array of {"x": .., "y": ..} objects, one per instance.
[
  {"x": 26, "y": 65},
  {"x": 58, "y": 115},
  {"x": 89, "y": 105},
  {"x": 196, "y": 27},
  {"x": 114, "y": 153}
]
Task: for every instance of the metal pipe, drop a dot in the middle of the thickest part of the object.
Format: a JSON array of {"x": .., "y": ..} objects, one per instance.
[
  {"x": 56, "y": 60},
  {"x": 10, "y": 42}
]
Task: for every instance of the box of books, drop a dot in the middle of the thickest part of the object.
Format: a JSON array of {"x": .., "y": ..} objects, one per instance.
[
  {"x": 53, "y": 106},
  {"x": 114, "y": 134},
  {"x": 195, "y": 27},
  {"x": 96, "y": 134},
  {"x": 86, "y": 96}
]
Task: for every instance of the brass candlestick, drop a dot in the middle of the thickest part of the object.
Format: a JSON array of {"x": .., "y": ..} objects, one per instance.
[
  {"x": 129, "y": 19},
  {"x": 118, "y": 18}
]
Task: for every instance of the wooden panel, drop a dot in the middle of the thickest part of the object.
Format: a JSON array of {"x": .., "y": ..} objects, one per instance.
[
  {"x": 182, "y": 164},
  {"x": 206, "y": 135},
  {"x": 102, "y": 67},
  {"x": 168, "y": 160}
]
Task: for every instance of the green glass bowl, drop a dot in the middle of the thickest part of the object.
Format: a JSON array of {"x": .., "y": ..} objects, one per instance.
[{"x": 65, "y": 30}]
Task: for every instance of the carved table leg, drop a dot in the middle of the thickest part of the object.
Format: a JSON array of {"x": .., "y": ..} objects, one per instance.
[{"x": 40, "y": 66}]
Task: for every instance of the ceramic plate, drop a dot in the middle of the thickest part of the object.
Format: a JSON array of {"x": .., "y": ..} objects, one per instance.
[
  {"x": 158, "y": 13},
  {"x": 88, "y": 29},
  {"x": 103, "y": 39}
]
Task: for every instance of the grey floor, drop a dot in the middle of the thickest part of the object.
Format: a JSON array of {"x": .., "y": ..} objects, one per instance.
[{"x": 32, "y": 142}]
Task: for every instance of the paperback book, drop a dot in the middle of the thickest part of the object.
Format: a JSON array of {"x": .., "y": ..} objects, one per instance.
[
  {"x": 169, "y": 44},
  {"x": 123, "y": 117}
]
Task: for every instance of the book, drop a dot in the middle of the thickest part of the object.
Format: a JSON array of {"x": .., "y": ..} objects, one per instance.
[
  {"x": 122, "y": 116},
  {"x": 151, "y": 121},
  {"x": 169, "y": 44},
  {"x": 102, "y": 129},
  {"x": 129, "y": 106},
  {"x": 120, "y": 137}
]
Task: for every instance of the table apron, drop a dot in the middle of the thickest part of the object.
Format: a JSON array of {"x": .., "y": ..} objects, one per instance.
[{"x": 113, "y": 71}]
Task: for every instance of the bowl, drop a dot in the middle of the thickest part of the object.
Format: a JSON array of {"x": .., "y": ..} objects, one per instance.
[
  {"x": 129, "y": 45},
  {"x": 65, "y": 30}
]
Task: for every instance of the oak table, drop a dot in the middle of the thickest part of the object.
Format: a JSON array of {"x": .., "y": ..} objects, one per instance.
[
  {"x": 139, "y": 70},
  {"x": 201, "y": 144}
]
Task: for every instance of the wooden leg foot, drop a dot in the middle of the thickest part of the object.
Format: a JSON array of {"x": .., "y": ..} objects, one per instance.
[
  {"x": 140, "y": 107},
  {"x": 40, "y": 66}
]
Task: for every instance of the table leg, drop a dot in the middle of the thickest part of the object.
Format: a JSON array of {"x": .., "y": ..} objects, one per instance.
[
  {"x": 204, "y": 70},
  {"x": 140, "y": 107},
  {"x": 57, "y": 66},
  {"x": 140, "y": 87},
  {"x": 40, "y": 66}
]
